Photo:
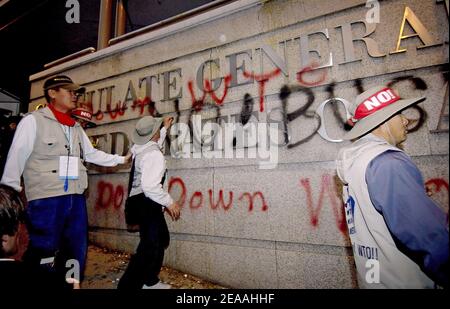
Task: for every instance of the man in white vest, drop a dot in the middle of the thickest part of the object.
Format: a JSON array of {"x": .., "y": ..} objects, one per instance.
[
  {"x": 399, "y": 235},
  {"x": 49, "y": 148}
]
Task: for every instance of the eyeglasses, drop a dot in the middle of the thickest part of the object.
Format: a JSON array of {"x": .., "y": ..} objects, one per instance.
[{"x": 73, "y": 92}]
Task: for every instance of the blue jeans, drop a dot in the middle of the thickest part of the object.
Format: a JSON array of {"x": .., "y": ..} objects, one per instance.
[{"x": 57, "y": 227}]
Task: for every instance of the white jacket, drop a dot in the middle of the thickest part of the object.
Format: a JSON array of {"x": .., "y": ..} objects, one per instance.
[
  {"x": 150, "y": 167},
  {"x": 373, "y": 245}
]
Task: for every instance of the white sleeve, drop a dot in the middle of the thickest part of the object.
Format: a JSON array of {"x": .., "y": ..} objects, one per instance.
[
  {"x": 97, "y": 156},
  {"x": 162, "y": 137},
  {"x": 153, "y": 169},
  {"x": 19, "y": 152}
]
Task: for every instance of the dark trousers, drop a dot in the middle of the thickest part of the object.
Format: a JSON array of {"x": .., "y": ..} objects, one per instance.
[
  {"x": 57, "y": 227},
  {"x": 145, "y": 264}
]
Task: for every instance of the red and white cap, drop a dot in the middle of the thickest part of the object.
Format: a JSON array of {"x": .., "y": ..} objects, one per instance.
[
  {"x": 373, "y": 107},
  {"x": 84, "y": 114}
]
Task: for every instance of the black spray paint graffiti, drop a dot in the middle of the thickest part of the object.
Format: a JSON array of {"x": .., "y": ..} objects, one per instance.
[
  {"x": 417, "y": 83},
  {"x": 443, "y": 116},
  {"x": 285, "y": 92},
  {"x": 285, "y": 96},
  {"x": 246, "y": 112},
  {"x": 305, "y": 100}
]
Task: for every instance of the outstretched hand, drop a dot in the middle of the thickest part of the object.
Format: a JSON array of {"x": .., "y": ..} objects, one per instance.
[
  {"x": 167, "y": 122},
  {"x": 128, "y": 157},
  {"x": 173, "y": 211}
]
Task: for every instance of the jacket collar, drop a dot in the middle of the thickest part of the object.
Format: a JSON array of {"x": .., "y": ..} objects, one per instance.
[{"x": 47, "y": 113}]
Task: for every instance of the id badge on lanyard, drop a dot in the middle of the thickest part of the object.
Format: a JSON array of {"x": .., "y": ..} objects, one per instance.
[{"x": 68, "y": 165}]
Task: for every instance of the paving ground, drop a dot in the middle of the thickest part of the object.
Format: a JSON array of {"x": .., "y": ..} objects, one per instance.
[{"x": 104, "y": 269}]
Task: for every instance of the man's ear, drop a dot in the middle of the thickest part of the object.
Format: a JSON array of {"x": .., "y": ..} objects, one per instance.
[
  {"x": 9, "y": 245},
  {"x": 52, "y": 93}
]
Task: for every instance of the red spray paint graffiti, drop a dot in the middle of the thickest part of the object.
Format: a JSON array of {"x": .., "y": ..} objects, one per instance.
[
  {"x": 178, "y": 180},
  {"x": 196, "y": 196},
  {"x": 220, "y": 202},
  {"x": 197, "y": 104},
  {"x": 98, "y": 115},
  {"x": 437, "y": 185},
  {"x": 196, "y": 200},
  {"x": 310, "y": 68},
  {"x": 208, "y": 89},
  {"x": 142, "y": 103},
  {"x": 251, "y": 198},
  {"x": 262, "y": 79},
  {"x": 108, "y": 195},
  {"x": 337, "y": 207},
  {"x": 119, "y": 110}
]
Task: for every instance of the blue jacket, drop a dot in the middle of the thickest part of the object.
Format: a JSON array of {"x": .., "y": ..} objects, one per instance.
[{"x": 418, "y": 226}]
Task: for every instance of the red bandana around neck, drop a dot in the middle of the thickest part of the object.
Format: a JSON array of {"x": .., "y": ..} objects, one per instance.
[{"x": 62, "y": 118}]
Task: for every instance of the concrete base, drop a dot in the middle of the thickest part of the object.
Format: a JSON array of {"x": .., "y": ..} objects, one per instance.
[{"x": 247, "y": 263}]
